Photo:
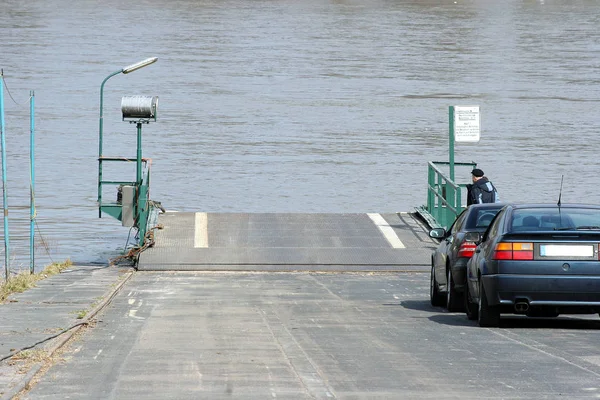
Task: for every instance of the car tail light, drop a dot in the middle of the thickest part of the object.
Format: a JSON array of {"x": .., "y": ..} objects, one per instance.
[
  {"x": 466, "y": 249},
  {"x": 513, "y": 251}
]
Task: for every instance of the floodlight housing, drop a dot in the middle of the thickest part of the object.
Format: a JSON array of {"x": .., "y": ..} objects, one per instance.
[{"x": 139, "y": 107}]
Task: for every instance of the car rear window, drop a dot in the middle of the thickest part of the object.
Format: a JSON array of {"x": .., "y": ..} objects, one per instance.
[
  {"x": 555, "y": 219},
  {"x": 481, "y": 218}
]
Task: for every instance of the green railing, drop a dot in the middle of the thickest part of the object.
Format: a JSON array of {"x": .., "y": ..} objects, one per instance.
[
  {"x": 444, "y": 196},
  {"x": 139, "y": 113},
  {"x": 141, "y": 201}
]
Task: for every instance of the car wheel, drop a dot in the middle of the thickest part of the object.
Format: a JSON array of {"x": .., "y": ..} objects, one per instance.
[
  {"x": 470, "y": 307},
  {"x": 453, "y": 298},
  {"x": 437, "y": 300},
  {"x": 487, "y": 316}
]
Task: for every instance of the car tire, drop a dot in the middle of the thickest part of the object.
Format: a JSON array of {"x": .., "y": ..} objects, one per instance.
[
  {"x": 454, "y": 301},
  {"x": 437, "y": 299},
  {"x": 470, "y": 308},
  {"x": 487, "y": 316}
]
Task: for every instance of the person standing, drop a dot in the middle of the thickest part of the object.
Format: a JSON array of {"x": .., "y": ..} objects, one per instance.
[{"x": 482, "y": 190}]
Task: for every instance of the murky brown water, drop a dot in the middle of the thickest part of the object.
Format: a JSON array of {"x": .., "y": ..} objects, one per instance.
[{"x": 293, "y": 106}]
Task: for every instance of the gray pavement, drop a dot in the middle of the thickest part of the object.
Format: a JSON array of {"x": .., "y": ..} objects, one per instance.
[
  {"x": 307, "y": 335},
  {"x": 45, "y": 317},
  {"x": 302, "y": 332},
  {"x": 288, "y": 242},
  {"x": 293, "y": 335}
]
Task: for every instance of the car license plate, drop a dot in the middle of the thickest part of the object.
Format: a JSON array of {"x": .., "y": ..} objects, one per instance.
[{"x": 563, "y": 250}]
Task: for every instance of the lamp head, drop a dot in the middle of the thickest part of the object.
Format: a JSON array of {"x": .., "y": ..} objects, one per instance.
[{"x": 138, "y": 65}]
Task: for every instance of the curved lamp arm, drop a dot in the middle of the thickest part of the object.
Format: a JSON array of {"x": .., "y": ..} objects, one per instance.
[{"x": 125, "y": 70}]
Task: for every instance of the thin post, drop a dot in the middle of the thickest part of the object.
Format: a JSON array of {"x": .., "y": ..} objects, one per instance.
[
  {"x": 4, "y": 196},
  {"x": 32, "y": 187},
  {"x": 100, "y": 134},
  {"x": 140, "y": 194},
  {"x": 451, "y": 141},
  {"x": 430, "y": 189},
  {"x": 138, "y": 174}
]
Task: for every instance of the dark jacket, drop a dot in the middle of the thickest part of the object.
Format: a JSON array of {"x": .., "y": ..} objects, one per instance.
[{"x": 482, "y": 191}]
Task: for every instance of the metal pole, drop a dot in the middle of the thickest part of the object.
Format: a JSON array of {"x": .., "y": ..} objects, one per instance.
[
  {"x": 100, "y": 141},
  {"x": 138, "y": 175},
  {"x": 5, "y": 205},
  {"x": 32, "y": 191},
  {"x": 140, "y": 194},
  {"x": 451, "y": 141}
]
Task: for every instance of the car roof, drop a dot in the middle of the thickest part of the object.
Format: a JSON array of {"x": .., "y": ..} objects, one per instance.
[
  {"x": 488, "y": 205},
  {"x": 554, "y": 205}
]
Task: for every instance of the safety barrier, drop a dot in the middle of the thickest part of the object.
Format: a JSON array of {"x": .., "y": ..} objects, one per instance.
[
  {"x": 444, "y": 196},
  {"x": 141, "y": 204}
]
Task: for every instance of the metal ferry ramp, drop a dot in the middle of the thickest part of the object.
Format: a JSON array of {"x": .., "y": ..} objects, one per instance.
[{"x": 279, "y": 242}]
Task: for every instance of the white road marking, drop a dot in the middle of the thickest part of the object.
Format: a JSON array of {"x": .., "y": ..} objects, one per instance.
[
  {"x": 201, "y": 230},
  {"x": 387, "y": 230},
  {"x": 133, "y": 314}
]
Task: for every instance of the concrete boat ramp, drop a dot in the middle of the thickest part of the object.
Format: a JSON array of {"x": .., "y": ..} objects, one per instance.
[
  {"x": 198, "y": 241},
  {"x": 264, "y": 309}
]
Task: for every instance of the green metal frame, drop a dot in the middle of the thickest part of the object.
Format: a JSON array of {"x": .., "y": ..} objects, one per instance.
[
  {"x": 141, "y": 184},
  {"x": 444, "y": 196}
]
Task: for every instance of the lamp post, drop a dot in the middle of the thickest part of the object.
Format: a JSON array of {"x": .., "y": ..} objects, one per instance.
[
  {"x": 4, "y": 180},
  {"x": 126, "y": 70}
]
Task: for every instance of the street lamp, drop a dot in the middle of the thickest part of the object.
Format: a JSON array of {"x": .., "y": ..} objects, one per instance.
[
  {"x": 138, "y": 65},
  {"x": 126, "y": 70}
]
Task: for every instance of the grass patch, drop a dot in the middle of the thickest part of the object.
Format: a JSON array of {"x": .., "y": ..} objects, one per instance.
[{"x": 25, "y": 280}]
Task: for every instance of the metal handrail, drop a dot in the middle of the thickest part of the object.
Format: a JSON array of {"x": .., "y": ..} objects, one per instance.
[
  {"x": 444, "y": 196},
  {"x": 147, "y": 162}
]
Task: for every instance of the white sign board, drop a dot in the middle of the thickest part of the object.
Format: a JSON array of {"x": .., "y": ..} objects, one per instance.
[{"x": 466, "y": 124}]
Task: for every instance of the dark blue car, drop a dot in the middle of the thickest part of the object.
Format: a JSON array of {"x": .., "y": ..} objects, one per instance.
[
  {"x": 536, "y": 260},
  {"x": 449, "y": 259}
]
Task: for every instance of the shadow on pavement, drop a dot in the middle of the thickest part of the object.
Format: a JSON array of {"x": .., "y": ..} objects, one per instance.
[
  {"x": 519, "y": 322},
  {"x": 561, "y": 322},
  {"x": 506, "y": 321},
  {"x": 419, "y": 305},
  {"x": 452, "y": 319}
]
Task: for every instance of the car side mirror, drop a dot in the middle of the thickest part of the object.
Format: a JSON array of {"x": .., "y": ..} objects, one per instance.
[{"x": 437, "y": 233}]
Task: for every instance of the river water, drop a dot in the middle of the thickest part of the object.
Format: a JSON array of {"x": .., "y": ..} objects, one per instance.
[{"x": 291, "y": 106}]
